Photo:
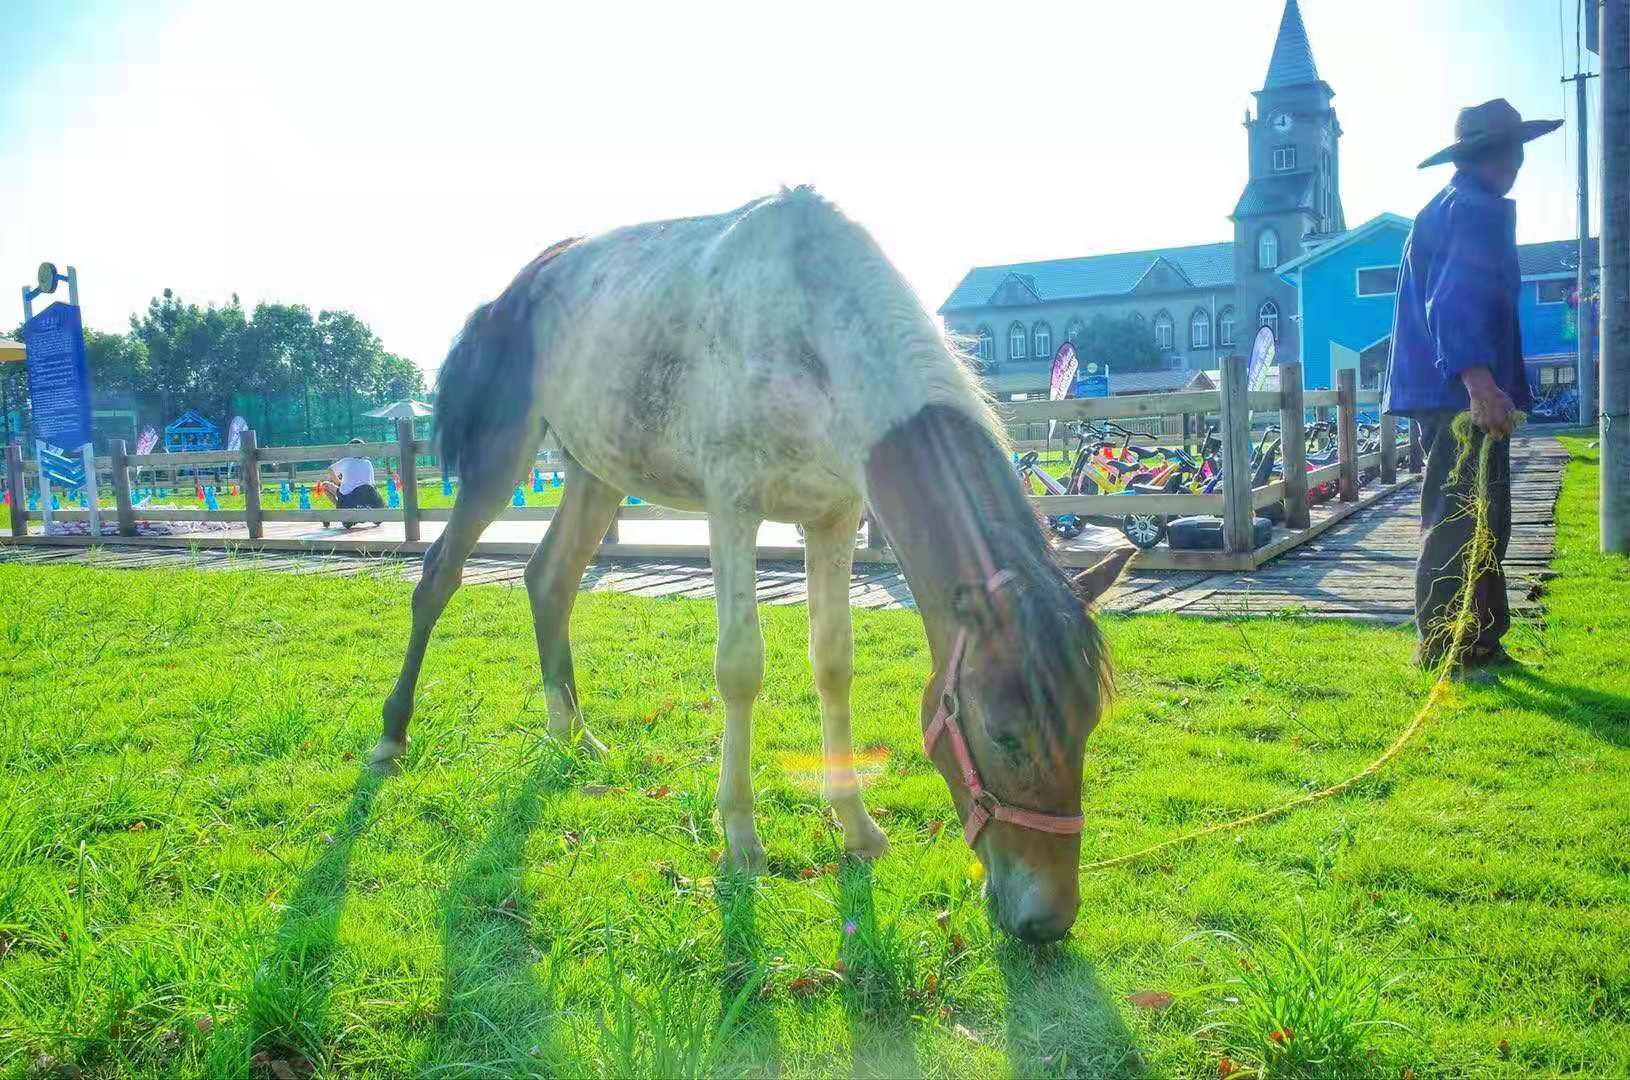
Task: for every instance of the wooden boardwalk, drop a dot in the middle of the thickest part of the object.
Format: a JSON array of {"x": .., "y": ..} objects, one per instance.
[{"x": 1362, "y": 568}]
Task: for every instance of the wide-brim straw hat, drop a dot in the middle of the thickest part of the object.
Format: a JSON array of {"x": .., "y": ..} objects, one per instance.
[{"x": 1493, "y": 123}]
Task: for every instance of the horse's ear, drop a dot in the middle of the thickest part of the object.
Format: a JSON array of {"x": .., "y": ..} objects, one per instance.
[{"x": 1094, "y": 581}]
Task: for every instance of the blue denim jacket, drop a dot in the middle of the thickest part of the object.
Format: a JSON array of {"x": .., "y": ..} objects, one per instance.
[{"x": 1457, "y": 302}]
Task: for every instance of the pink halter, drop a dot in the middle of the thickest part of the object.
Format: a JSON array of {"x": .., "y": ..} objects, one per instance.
[{"x": 985, "y": 805}]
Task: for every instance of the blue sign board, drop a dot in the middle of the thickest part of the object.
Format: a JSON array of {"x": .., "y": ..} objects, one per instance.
[
  {"x": 1094, "y": 385},
  {"x": 59, "y": 382}
]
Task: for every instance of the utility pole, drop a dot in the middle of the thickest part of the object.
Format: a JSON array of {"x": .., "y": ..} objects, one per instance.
[
  {"x": 1615, "y": 408},
  {"x": 1585, "y": 378}
]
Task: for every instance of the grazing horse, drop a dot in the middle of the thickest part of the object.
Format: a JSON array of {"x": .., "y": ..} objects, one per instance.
[{"x": 770, "y": 364}]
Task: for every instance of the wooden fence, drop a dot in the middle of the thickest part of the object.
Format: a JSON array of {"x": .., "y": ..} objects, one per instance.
[{"x": 1237, "y": 503}]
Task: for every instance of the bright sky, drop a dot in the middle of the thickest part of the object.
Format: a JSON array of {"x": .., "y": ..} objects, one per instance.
[{"x": 406, "y": 165}]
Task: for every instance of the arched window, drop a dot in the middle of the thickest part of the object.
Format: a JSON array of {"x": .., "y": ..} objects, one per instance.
[
  {"x": 1041, "y": 338},
  {"x": 1267, "y": 250},
  {"x": 1268, "y": 315},
  {"x": 1076, "y": 331},
  {"x": 985, "y": 350},
  {"x": 1225, "y": 327},
  {"x": 1163, "y": 331},
  {"x": 1199, "y": 330},
  {"x": 1016, "y": 339}
]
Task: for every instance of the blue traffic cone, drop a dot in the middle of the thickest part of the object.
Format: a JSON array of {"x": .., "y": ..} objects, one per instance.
[
  {"x": 82, "y": 501},
  {"x": 537, "y": 479},
  {"x": 56, "y": 501},
  {"x": 393, "y": 498},
  {"x": 283, "y": 491},
  {"x": 446, "y": 488},
  {"x": 305, "y": 498},
  {"x": 520, "y": 497},
  {"x": 555, "y": 480},
  {"x": 33, "y": 501},
  {"x": 390, "y": 490},
  {"x": 210, "y": 502}
]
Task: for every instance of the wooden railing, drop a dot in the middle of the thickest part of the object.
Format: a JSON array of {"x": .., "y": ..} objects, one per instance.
[{"x": 1233, "y": 403}]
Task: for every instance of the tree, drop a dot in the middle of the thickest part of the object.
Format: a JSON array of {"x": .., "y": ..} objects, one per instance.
[
  {"x": 178, "y": 355},
  {"x": 1124, "y": 344}
]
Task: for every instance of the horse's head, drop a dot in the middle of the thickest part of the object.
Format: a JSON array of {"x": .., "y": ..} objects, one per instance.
[{"x": 1006, "y": 721}]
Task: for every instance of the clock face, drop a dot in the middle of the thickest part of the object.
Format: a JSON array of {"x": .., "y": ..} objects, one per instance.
[{"x": 1282, "y": 122}]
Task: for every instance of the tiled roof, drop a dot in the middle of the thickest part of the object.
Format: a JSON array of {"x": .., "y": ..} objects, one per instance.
[
  {"x": 1154, "y": 382},
  {"x": 1292, "y": 62},
  {"x": 1276, "y": 194},
  {"x": 1207, "y": 265},
  {"x": 1553, "y": 257}
]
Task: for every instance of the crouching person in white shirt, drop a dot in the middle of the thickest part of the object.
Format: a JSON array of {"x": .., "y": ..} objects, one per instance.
[{"x": 353, "y": 485}]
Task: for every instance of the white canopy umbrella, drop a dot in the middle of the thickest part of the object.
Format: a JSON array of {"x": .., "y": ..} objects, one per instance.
[{"x": 406, "y": 409}]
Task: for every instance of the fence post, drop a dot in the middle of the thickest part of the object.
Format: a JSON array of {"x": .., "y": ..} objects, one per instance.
[
  {"x": 409, "y": 468},
  {"x": 1389, "y": 448},
  {"x": 249, "y": 478},
  {"x": 1239, "y": 518},
  {"x": 1347, "y": 432},
  {"x": 14, "y": 484},
  {"x": 120, "y": 468},
  {"x": 1293, "y": 443}
]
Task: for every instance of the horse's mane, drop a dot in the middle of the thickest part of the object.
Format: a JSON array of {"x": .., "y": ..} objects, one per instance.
[{"x": 1062, "y": 641}]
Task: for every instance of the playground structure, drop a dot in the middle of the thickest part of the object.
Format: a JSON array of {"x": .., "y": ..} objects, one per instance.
[{"x": 1237, "y": 504}]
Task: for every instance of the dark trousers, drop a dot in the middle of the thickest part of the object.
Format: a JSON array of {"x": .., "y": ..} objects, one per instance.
[
  {"x": 361, "y": 497},
  {"x": 1446, "y": 532}
]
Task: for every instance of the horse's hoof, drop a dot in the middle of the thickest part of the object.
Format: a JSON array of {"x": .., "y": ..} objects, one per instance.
[
  {"x": 867, "y": 843},
  {"x": 584, "y": 740},
  {"x": 591, "y": 746},
  {"x": 386, "y": 757},
  {"x": 746, "y": 856}
]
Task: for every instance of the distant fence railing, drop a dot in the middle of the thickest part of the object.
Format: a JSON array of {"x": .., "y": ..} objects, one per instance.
[{"x": 1233, "y": 403}]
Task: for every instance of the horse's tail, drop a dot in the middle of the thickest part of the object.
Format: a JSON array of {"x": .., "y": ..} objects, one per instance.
[{"x": 488, "y": 382}]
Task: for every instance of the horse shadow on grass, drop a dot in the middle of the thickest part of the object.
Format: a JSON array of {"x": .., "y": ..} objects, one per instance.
[
  {"x": 1060, "y": 1019},
  {"x": 879, "y": 979},
  {"x": 755, "y": 1037},
  {"x": 285, "y": 1014},
  {"x": 497, "y": 1018},
  {"x": 1602, "y": 714}
]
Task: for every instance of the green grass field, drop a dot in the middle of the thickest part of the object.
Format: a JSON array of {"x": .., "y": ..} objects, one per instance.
[{"x": 198, "y": 879}]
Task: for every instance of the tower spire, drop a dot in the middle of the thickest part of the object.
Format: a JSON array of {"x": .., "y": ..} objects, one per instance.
[{"x": 1292, "y": 61}]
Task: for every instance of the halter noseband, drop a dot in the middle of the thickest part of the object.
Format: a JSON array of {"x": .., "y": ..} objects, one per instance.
[{"x": 985, "y": 806}]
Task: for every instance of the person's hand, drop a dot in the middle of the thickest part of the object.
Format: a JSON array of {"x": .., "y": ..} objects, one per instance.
[{"x": 1492, "y": 408}]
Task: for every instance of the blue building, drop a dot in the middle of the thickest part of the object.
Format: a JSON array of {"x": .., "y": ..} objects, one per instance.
[
  {"x": 1347, "y": 288},
  {"x": 1197, "y": 303}
]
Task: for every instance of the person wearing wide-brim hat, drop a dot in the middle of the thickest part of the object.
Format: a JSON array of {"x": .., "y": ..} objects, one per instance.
[{"x": 1456, "y": 347}]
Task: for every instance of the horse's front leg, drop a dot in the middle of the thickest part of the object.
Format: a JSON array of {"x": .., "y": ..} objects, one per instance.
[
  {"x": 739, "y": 669},
  {"x": 829, "y": 550}
]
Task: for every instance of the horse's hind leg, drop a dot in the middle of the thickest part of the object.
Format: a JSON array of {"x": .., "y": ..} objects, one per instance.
[
  {"x": 552, "y": 577},
  {"x": 829, "y": 554},
  {"x": 483, "y": 491}
]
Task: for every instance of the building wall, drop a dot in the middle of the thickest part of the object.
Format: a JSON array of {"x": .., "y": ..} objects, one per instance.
[
  {"x": 1180, "y": 306},
  {"x": 1546, "y": 327},
  {"x": 1338, "y": 322},
  {"x": 1334, "y": 313}
]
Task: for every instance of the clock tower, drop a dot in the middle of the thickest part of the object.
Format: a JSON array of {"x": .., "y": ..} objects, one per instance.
[{"x": 1292, "y": 199}]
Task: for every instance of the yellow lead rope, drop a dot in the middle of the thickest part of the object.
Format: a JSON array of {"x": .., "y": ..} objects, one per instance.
[{"x": 1461, "y": 622}]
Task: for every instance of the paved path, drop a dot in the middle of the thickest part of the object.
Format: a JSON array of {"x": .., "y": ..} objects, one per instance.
[{"x": 1363, "y": 568}]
